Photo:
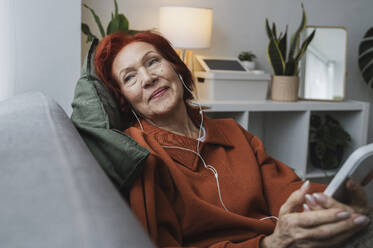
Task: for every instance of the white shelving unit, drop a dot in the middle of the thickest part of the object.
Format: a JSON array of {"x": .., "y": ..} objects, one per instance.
[{"x": 284, "y": 126}]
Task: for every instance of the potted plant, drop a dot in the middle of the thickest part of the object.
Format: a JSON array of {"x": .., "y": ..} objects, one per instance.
[
  {"x": 118, "y": 22},
  {"x": 247, "y": 59},
  {"x": 327, "y": 141},
  {"x": 285, "y": 61}
]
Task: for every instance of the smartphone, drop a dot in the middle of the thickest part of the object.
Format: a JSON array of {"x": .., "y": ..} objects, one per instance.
[{"x": 358, "y": 165}]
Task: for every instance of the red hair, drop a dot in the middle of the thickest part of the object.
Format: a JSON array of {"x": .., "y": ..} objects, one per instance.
[{"x": 110, "y": 46}]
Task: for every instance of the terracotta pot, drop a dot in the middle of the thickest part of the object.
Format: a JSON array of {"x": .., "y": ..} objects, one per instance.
[{"x": 285, "y": 88}]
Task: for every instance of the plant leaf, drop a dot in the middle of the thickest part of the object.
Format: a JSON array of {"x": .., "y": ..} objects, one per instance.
[
  {"x": 134, "y": 31},
  {"x": 97, "y": 20},
  {"x": 305, "y": 44},
  {"x": 283, "y": 44},
  {"x": 320, "y": 150},
  {"x": 118, "y": 23},
  {"x": 268, "y": 30},
  {"x": 116, "y": 7},
  {"x": 87, "y": 31},
  {"x": 291, "y": 67},
  {"x": 275, "y": 58},
  {"x": 295, "y": 37},
  {"x": 274, "y": 31}
]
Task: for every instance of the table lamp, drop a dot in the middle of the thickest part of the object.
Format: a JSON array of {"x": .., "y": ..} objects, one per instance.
[{"x": 186, "y": 27}]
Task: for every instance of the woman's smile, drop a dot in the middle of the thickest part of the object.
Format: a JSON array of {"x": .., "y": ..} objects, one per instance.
[{"x": 159, "y": 92}]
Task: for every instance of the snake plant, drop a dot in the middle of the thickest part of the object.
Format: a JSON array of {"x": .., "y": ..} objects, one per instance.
[
  {"x": 366, "y": 57},
  {"x": 284, "y": 63},
  {"x": 118, "y": 22}
]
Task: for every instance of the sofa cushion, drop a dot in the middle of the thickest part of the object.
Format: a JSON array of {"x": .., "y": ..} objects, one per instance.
[
  {"x": 98, "y": 119},
  {"x": 53, "y": 192}
]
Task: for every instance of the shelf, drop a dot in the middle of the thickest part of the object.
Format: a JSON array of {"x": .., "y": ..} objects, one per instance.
[
  {"x": 313, "y": 172},
  {"x": 283, "y": 106},
  {"x": 283, "y": 127}
]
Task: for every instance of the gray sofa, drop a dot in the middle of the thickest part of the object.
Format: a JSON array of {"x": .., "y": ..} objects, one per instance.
[{"x": 53, "y": 192}]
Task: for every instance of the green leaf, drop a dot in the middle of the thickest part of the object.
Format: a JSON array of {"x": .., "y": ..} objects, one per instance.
[
  {"x": 291, "y": 67},
  {"x": 97, "y": 20},
  {"x": 87, "y": 31},
  {"x": 304, "y": 46},
  {"x": 274, "y": 32},
  {"x": 275, "y": 58},
  {"x": 134, "y": 31},
  {"x": 118, "y": 23},
  {"x": 295, "y": 37},
  {"x": 330, "y": 162},
  {"x": 320, "y": 150},
  {"x": 116, "y": 7},
  {"x": 268, "y": 30},
  {"x": 283, "y": 44}
]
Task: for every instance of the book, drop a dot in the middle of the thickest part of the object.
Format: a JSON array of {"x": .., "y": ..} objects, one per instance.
[{"x": 357, "y": 167}]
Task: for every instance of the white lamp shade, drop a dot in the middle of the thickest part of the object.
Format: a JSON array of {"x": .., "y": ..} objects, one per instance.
[{"x": 186, "y": 27}]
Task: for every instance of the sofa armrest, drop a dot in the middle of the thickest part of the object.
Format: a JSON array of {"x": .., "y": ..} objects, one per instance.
[{"x": 53, "y": 192}]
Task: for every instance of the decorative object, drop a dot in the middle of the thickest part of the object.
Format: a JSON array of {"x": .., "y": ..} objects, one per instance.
[
  {"x": 323, "y": 66},
  {"x": 366, "y": 57},
  {"x": 327, "y": 142},
  {"x": 286, "y": 63},
  {"x": 285, "y": 88},
  {"x": 186, "y": 27},
  {"x": 224, "y": 78},
  {"x": 247, "y": 59},
  {"x": 118, "y": 22}
]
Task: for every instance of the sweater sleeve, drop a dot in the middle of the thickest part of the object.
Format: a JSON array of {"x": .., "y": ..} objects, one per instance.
[{"x": 279, "y": 180}]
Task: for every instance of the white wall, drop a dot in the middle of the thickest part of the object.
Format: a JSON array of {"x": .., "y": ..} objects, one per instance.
[
  {"x": 7, "y": 49},
  {"x": 239, "y": 25},
  {"x": 47, "y": 47}
]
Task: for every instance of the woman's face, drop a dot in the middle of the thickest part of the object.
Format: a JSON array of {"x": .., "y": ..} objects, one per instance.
[{"x": 147, "y": 80}]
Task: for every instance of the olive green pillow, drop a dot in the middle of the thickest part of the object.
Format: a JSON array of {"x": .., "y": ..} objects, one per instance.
[{"x": 99, "y": 121}]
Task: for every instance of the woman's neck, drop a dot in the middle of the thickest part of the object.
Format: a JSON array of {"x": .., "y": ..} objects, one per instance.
[{"x": 178, "y": 122}]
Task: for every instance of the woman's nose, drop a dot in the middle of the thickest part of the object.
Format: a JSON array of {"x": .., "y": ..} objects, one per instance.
[{"x": 147, "y": 77}]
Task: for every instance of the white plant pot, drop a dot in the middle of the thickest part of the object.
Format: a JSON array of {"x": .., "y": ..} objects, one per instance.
[{"x": 250, "y": 65}]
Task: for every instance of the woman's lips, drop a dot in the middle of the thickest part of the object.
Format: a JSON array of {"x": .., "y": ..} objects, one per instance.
[{"x": 158, "y": 92}]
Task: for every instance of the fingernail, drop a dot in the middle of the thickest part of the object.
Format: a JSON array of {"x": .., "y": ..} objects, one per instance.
[
  {"x": 361, "y": 220},
  {"x": 319, "y": 197},
  {"x": 306, "y": 207},
  {"x": 343, "y": 215},
  {"x": 305, "y": 185},
  {"x": 310, "y": 200}
]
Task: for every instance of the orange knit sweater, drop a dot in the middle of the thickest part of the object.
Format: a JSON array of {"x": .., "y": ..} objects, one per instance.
[{"x": 176, "y": 197}]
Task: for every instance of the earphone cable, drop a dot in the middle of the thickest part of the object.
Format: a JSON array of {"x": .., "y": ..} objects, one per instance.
[{"x": 209, "y": 167}]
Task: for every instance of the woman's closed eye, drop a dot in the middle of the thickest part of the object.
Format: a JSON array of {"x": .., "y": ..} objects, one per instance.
[
  {"x": 128, "y": 78},
  {"x": 152, "y": 61}
]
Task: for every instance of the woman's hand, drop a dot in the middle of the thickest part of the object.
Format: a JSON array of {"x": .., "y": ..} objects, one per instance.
[
  {"x": 318, "y": 228},
  {"x": 356, "y": 200}
]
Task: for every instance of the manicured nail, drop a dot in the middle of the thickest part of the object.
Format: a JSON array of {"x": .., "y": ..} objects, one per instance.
[
  {"x": 305, "y": 185},
  {"x": 310, "y": 200},
  {"x": 319, "y": 197},
  {"x": 343, "y": 215},
  {"x": 361, "y": 220},
  {"x": 306, "y": 207}
]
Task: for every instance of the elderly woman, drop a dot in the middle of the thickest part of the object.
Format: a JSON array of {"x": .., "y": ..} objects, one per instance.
[{"x": 207, "y": 182}]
